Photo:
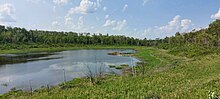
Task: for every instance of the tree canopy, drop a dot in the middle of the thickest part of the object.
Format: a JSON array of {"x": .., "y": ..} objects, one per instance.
[{"x": 9, "y": 35}]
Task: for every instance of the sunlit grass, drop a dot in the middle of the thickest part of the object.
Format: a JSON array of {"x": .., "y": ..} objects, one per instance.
[
  {"x": 167, "y": 77},
  {"x": 71, "y": 47}
]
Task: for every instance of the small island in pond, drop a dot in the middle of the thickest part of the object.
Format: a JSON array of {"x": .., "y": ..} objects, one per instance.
[{"x": 121, "y": 53}]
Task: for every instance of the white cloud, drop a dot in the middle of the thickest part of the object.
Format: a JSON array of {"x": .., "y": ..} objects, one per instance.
[
  {"x": 104, "y": 9},
  {"x": 6, "y": 13},
  {"x": 146, "y": 32},
  {"x": 60, "y": 2},
  {"x": 175, "y": 21},
  {"x": 116, "y": 25},
  {"x": 86, "y": 6},
  {"x": 106, "y": 16},
  {"x": 172, "y": 25},
  {"x": 124, "y": 8},
  {"x": 120, "y": 25},
  {"x": 185, "y": 24},
  {"x": 144, "y": 2},
  {"x": 55, "y": 24},
  {"x": 76, "y": 25},
  {"x": 69, "y": 21},
  {"x": 80, "y": 22},
  {"x": 216, "y": 15},
  {"x": 175, "y": 25},
  {"x": 109, "y": 23}
]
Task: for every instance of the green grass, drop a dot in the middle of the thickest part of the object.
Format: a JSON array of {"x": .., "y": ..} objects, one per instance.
[
  {"x": 118, "y": 67},
  {"x": 124, "y": 65},
  {"x": 51, "y": 49},
  {"x": 167, "y": 77},
  {"x": 147, "y": 55},
  {"x": 112, "y": 66}
]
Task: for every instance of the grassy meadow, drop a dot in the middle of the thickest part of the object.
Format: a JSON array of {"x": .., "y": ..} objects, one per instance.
[{"x": 166, "y": 77}]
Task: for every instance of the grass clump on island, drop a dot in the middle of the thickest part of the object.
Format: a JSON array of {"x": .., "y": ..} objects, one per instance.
[
  {"x": 119, "y": 67},
  {"x": 124, "y": 65},
  {"x": 166, "y": 76},
  {"x": 112, "y": 66}
]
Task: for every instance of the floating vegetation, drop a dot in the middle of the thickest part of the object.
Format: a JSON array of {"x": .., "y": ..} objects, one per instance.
[
  {"x": 118, "y": 67},
  {"x": 121, "y": 54},
  {"x": 140, "y": 63},
  {"x": 112, "y": 66},
  {"x": 124, "y": 65},
  {"x": 114, "y": 53},
  {"x": 5, "y": 84}
]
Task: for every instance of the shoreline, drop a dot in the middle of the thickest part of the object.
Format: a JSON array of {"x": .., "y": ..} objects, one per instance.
[
  {"x": 73, "y": 48},
  {"x": 139, "y": 51},
  {"x": 55, "y": 49}
]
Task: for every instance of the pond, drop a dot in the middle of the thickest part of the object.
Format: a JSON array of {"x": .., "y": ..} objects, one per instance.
[{"x": 39, "y": 69}]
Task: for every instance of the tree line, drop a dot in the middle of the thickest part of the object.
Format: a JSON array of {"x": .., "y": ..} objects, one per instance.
[
  {"x": 16, "y": 35},
  {"x": 194, "y": 43}
]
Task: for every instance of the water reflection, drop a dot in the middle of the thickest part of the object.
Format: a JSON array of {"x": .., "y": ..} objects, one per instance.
[
  {"x": 49, "y": 67},
  {"x": 22, "y": 58}
]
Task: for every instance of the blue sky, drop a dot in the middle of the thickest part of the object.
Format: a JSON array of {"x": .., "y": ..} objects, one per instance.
[{"x": 137, "y": 18}]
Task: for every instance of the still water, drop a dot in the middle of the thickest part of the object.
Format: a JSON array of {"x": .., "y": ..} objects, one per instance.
[{"x": 41, "y": 69}]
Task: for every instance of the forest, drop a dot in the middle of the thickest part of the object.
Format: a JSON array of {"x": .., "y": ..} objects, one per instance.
[
  {"x": 192, "y": 44},
  {"x": 12, "y": 38}
]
